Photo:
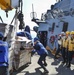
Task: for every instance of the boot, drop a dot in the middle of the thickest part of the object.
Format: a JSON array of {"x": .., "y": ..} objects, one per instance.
[
  {"x": 69, "y": 65},
  {"x": 46, "y": 71},
  {"x": 63, "y": 62}
]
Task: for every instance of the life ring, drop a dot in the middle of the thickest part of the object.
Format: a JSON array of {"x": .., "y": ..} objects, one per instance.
[{"x": 52, "y": 39}]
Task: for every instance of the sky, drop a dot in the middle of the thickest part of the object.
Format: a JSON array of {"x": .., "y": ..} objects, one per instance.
[{"x": 40, "y": 6}]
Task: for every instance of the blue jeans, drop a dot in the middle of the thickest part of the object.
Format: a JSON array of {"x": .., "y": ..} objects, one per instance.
[{"x": 4, "y": 70}]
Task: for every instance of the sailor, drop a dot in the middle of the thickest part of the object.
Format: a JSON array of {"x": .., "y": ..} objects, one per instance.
[
  {"x": 70, "y": 49},
  {"x": 60, "y": 38},
  {"x": 40, "y": 49},
  {"x": 65, "y": 43},
  {"x": 59, "y": 47},
  {"x": 3, "y": 56},
  {"x": 55, "y": 44},
  {"x": 62, "y": 43}
]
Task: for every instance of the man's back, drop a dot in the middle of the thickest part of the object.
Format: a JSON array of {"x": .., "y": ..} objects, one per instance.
[
  {"x": 3, "y": 53},
  {"x": 40, "y": 48}
]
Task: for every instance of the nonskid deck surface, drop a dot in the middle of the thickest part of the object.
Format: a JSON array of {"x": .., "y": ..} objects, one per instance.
[{"x": 54, "y": 66}]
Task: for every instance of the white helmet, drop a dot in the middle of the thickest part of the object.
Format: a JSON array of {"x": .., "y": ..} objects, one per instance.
[{"x": 62, "y": 33}]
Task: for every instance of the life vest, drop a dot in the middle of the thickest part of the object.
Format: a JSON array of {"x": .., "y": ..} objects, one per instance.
[
  {"x": 66, "y": 42},
  {"x": 63, "y": 43},
  {"x": 71, "y": 45}
]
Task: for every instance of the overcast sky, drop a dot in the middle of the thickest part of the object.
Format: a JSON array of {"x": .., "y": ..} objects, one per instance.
[{"x": 40, "y": 6}]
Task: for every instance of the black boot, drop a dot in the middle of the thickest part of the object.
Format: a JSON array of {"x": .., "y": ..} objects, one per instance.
[
  {"x": 45, "y": 64},
  {"x": 46, "y": 71},
  {"x": 69, "y": 65},
  {"x": 63, "y": 62}
]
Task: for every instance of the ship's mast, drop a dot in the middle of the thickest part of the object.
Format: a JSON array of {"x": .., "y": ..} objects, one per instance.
[
  {"x": 33, "y": 14},
  {"x": 58, "y": 0},
  {"x": 33, "y": 11}
]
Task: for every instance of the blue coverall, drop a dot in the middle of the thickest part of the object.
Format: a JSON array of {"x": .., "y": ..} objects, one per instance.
[
  {"x": 4, "y": 58},
  {"x": 40, "y": 49}
]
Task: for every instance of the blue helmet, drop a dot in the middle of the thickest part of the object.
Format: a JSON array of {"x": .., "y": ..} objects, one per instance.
[
  {"x": 1, "y": 34},
  {"x": 35, "y": 39}
]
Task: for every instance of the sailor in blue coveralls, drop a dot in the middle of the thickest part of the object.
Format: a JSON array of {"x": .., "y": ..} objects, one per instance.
[
  {"x": 40, "y": 49},
  {"x": 3, "y": 56}
]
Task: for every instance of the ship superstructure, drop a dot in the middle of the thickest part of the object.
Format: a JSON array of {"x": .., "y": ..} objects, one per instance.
[{"x": 60, "y": 18}]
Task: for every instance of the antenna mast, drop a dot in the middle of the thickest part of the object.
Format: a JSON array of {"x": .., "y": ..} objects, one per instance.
[
  {"x": 33, "y": 14},
  {"x": 33, "y": 11}
]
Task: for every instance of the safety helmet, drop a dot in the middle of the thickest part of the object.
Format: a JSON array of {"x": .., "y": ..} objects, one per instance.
[
  {"x": 62, "y": 33},
  {"x": 1, "y": 34},
  {"x": 36, "y": 39},
  {"x": 72, "y": 33},
  {"x": 68, "y": 32}
]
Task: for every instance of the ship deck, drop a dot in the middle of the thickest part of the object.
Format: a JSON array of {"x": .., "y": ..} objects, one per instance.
[{"x": 54, "y": 66}]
